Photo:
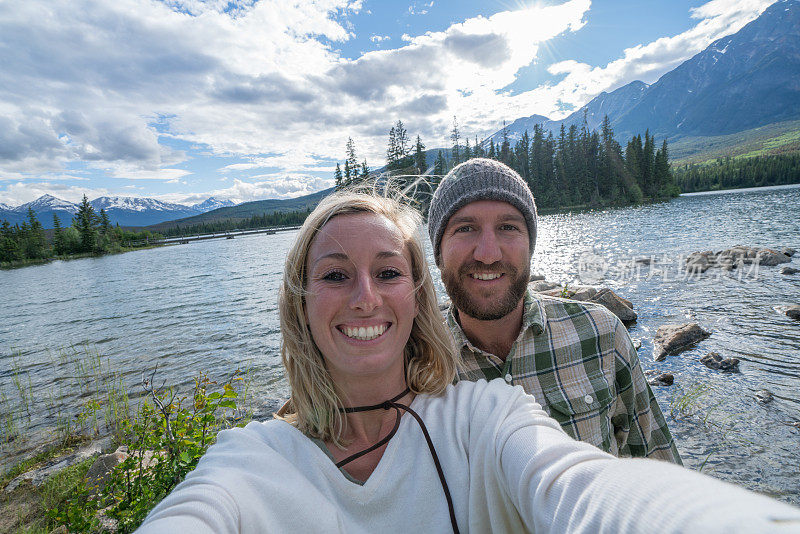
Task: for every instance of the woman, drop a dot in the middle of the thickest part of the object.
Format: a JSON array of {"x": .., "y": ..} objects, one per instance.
[{"x": 375, "y": 438}]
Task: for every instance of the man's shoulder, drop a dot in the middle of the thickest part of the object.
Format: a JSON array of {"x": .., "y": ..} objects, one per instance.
[{"x": 559, "y": 309}]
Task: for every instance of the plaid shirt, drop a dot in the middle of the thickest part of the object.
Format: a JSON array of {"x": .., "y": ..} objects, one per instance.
[{"x": 577, "y": 360}]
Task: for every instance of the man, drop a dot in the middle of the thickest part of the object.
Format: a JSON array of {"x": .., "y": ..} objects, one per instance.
[{"x": 575, "y": 358}]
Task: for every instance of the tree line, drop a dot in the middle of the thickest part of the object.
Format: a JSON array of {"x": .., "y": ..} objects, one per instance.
[
  {"x": 578, "y": 167},
  {"x": 733, "y": 173},
  {"x": 89, "y": 233},
  {"x": 278, "y": 218}
]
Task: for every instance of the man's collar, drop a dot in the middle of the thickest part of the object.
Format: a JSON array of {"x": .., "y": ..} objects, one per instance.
[{"x": 532, "y": 317}]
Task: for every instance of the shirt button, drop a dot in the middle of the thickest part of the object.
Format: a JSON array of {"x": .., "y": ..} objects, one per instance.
[
  {"x": 588, "y": 399},
  {"x": 508, "y": 378}
]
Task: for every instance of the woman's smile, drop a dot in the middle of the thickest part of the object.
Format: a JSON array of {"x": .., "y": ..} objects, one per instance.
[{"x": 360, "y": 302}]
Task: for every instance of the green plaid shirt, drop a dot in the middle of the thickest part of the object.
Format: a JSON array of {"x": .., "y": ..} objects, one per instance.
[{"x": 577, "y": 360}]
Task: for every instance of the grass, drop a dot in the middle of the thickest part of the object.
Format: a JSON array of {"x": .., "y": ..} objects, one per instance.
[
  {"x": 771, "y": 139},
  {"x": 94, "y": 402},
  {"x": 697, "y": 401}
]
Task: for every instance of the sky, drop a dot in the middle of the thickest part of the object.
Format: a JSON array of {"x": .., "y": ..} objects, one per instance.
[{"x": 180, "y": 100}]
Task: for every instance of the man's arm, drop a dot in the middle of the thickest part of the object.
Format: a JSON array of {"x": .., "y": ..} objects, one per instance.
[{"x": 640, "y": 428}]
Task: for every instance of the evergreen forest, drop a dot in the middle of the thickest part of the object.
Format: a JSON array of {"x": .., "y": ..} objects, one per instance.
[
  {"x": 576, "y": 168},
  {"x": 89, "y": 233},
  {"x": 733, "y": 173},
  {"x": 276, "y": 219}
]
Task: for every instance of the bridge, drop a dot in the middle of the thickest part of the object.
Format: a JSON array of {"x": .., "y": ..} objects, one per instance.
[{"x": 182, "y": 240}]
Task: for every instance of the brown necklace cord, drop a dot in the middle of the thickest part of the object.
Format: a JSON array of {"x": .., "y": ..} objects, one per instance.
[{"x": 392, "y": 403}]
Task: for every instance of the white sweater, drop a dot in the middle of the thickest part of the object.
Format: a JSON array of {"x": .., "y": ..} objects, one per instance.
[{"x": 509, "y": 467}]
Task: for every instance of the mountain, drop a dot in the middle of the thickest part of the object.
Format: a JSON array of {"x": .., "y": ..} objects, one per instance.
[
  {"x": 133, "y": 211},
  {"x": 211, "y": 204},
  {"x": 739, "y": 83},
  {"x": 742, "y": 81},
  {"x": 44, "y": 207},
  {"x": 248, "y": 209}
]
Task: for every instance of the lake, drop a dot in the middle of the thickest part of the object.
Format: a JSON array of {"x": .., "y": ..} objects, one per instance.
[{"x": 212, "y": 305}]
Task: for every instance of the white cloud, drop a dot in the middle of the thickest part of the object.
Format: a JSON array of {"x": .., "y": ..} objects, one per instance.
[
  {"x": 108, "y": 83},
  {"x": 265, "y": 186},
  {"x": 648, "y": 62},
  {"x": 21, "y": 192},
  {"x": 379, "y": 38}
]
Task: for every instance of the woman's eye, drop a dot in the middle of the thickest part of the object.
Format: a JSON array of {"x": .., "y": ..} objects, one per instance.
[
  {"x": 388, "y": 274},
  {"x": 334, "y": 276}
]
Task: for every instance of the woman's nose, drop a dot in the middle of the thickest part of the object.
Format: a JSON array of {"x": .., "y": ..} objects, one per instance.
[{"x": 365, "y": 294}]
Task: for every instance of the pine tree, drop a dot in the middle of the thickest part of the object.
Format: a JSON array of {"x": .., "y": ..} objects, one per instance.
[
  {"x": 455, "y": 137},
  {"x": 85, "y": 221},
  {"x": 337, "y": 177},
  {"x": 391, "y": 149},
  {"x": 364, "y": 171},
  {"x": 35, "y": 243},
  {"x": 420, "y": 161},
  {"x": 467, "y": 150},
  {"x": 505, "y": 147},
  {"x": 440, "y": 166},
  {"x": 105, "y": 223},
  {"x": 492, "y": 151},
  {"x": 58, "y": 237}
]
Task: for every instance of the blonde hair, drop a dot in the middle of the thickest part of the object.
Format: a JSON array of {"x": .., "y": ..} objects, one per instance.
[{"x": 430, "y": 360}]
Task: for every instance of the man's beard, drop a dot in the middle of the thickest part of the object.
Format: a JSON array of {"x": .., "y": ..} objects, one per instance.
[{"x": 499, "y": 308}]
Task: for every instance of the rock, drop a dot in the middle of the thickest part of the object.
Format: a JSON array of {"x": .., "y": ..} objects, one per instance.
[
  {"x": 789, "y": 270},
  {"x": 713, "y": 360},
  {"x": 788, "y": 251},
  {"x": 664, "y": 379},
  {"x": 793, "y": 312},
  {"x": 769, "y": 258},
  {"x": 673, "y": 338},
  {"x": 40, "y": 475},
  {"x": 637, "y": 343},
  {"x": 764, "y": 396},
  {"x": 444, "y": 305},
  {"x": 644, "y": 261},
  {"x": 583, "y": 293},
  {"x": 617, "y": 305},
  {"x": 536, "y": 277},
  {"x": 100, "y": 471},
  {"x": 543, "y": 285},
  {"x": 107, "y": 524},
  {"x": 700, "y": 262}
]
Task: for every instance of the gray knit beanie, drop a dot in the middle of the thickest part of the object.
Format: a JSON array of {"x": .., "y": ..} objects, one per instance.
[{"x": 479, "y": 179}]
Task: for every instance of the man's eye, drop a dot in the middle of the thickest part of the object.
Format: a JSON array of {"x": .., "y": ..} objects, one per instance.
[
  {"x": 465, "y": 228},
  {"x": 334, "y": 276},
  {"x": 388, "y": 274},
  {"x": 509, "y": 227}
]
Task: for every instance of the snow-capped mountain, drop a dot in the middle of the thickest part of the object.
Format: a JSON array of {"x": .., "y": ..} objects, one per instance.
[
  {"x": 44, "y": 207},
  {"x": 47, "y": 203},
  {"x": 741, "y": 81},
  {"x": 135, "y": 211},
  {"x": 211, "y": 204}
]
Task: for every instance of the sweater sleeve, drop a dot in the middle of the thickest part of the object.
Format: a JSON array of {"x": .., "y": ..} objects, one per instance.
[{"x": 561, "y": 485}]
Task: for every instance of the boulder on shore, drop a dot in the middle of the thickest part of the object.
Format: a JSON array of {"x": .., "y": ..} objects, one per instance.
[
  {"x": 620, "y": 307},
  {"x": 663, "y": 379},
  {"x": 713, "y": 360},
  {"x": 789, "y": 270},
  {"x": 764, "y": 396},
  {"x": 42, "y": 474},
  {"x": 788, "y": 251},
  {"x": 793, "y": 312},
  {"x": 700, "y": 262},
  {"x": 100, "y": 471},
  {"x": 673, "y": 338}
]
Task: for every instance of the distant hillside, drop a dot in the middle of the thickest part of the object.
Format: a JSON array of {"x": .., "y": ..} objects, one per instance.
[
  {"x": 738, "y": 97},
  {"x": 247, "y": 210}
]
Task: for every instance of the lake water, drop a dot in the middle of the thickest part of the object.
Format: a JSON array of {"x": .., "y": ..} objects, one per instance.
[{"x": 212, "y": 305}]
